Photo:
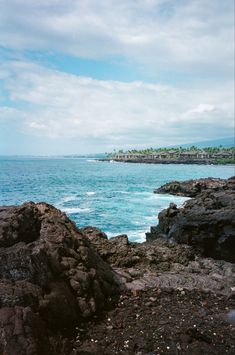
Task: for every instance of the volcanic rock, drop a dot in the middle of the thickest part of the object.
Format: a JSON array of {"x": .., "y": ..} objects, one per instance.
[
  {"x": 58, "y": 285},
  {"x": 170, "y": 266},
  {"x": 51, "y": 279},
  {"x": 191, "y": 188},
  {"x": 206, "y": 222}
]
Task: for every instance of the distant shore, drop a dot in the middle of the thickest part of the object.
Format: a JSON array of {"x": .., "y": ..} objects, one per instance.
[
  {"x": 170, "y": 161},
  {"x": 192, "y": 155}
]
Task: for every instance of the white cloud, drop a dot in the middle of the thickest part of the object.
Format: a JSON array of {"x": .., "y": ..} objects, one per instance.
[
  {"x": 165, "y": 34},
  {"x": 201, "y": 108},
  {"x": 53, "y": 104}
]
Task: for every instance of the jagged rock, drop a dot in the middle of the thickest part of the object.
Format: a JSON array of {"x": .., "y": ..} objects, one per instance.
[
  {"x": 54, "y": 278},
  {"x": 51, "y": 278},
  {"x": 206, "y": 222},
  {"x": 121, "y": 253},
  {"x": 161, "y": 264},
  {"x": 192, "y": 188}
]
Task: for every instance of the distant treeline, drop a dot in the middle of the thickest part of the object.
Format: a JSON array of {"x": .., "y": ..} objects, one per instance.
[
  {"x": 193, "y": 154},
  {"x": 148, "y": 151}
]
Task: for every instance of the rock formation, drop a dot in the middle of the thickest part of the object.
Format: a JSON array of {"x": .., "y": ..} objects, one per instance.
[
  {"x": 191, "y": 188},
  {"x": 206, "y": 222},
  {"x": 51, "y": 279},
  {"x": 70, "y": 291},
  {"x": 161, "y": 264}
]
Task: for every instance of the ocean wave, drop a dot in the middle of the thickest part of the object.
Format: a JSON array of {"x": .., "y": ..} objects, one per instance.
[
  {"x": 72, "y": 210},
  {"x": 121, "y": 192},
  {"x": 138, "y": 237},
  {"x": 141, "y": 193},
  {"x": 151, "y": 218},
  {"x": 133, "y": 235},
  {"x": 68, "y": 199},
  {"x": 92, "y": 161},
  {"x": 90, "y": 193},
  {"x": 165, "y": 197}
]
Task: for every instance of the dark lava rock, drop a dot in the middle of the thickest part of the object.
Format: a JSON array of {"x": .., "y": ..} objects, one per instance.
[
  {"x": 161, "y": 264},
  {"x": 206, "y": 222},
  {"x": 51, "y": 279},
  {"x": 57, "y": 284},
  {"x": 191, "y": 188},
  {"x": 121, "y": 253}
]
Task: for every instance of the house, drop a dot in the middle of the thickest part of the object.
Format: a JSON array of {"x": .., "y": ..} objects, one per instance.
[
  {"x": 188, "y": 155},
  {"x": 223, "y": 154}
]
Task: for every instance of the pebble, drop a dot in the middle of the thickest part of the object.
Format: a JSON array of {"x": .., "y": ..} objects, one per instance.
[
  {"x": 148, "y": 304},
  {"x": 152, "y": 299}
]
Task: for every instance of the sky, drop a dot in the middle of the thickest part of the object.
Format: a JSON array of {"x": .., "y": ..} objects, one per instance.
[{"x": 88, "y": 76}]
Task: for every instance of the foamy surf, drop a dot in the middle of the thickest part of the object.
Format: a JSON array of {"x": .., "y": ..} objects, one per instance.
[
  {"x": 68, "y": 199},
  {"x": 133, "y": 236},
  {"x": 90, "y": 193},
  {"x": 72, "y": 210}
]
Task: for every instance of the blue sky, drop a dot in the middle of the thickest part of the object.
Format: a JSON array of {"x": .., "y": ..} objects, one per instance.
[{"x": 87, "y": 76}]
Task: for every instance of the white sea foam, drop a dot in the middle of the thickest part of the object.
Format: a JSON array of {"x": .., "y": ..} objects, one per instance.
[
  {"x": 164, "y": 197},
  {"x": 71, "y": 210},
  {"x": 90, "y": 193},
  {"x": 133, "y": 236},
  {"x": 138, "y": 237},
  {"x": 145, "y": 193},
  {"x": 68, "y": 198},
  {"x": 92, "y": 161},
  {"x": 150, "y": 218}
]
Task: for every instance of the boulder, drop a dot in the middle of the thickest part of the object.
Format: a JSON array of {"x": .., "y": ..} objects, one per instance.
[{"x": 51, "y": 279}]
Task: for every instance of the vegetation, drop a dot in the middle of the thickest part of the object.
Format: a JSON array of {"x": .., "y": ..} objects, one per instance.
[
  {"x": 147, "y": 151},
  {"x": 225, "y": 161}
]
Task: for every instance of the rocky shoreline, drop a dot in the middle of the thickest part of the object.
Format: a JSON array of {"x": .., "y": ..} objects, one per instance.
[
  {"x": 70, "y": 291},
  {"x": 206, "y": 222},
  {"x": 168, "y": 161}
]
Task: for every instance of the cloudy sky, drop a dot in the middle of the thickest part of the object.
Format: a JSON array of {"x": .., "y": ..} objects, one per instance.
[{"x": 83, "y": 76}]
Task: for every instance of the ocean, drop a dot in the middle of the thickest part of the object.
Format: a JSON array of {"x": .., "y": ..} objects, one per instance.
[{"x": 116, "y": 197}]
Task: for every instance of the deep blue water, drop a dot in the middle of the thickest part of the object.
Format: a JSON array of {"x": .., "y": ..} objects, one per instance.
[{"x": 115, "y": 197}]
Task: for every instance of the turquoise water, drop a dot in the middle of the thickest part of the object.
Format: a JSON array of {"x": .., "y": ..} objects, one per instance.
[{"x": 115, "y": 197}]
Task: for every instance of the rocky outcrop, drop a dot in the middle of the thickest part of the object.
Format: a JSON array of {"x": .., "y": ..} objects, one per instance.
[
  {"x": 51, "y": 279},
  {"x": 55, "y": 281},
  {"x": 191, "y": 188},
  {"x": 120, "y": 253},
  {"x": 161, "y": 264},
  {"x": 206, "y": 222}
]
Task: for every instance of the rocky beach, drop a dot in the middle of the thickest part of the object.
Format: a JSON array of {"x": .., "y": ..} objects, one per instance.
[{"x": 70, "y": 291}]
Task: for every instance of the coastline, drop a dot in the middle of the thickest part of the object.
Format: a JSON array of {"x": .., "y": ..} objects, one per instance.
[
  {"x": 166, "y": 161},
  {"x": 71, "y": 291}
]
